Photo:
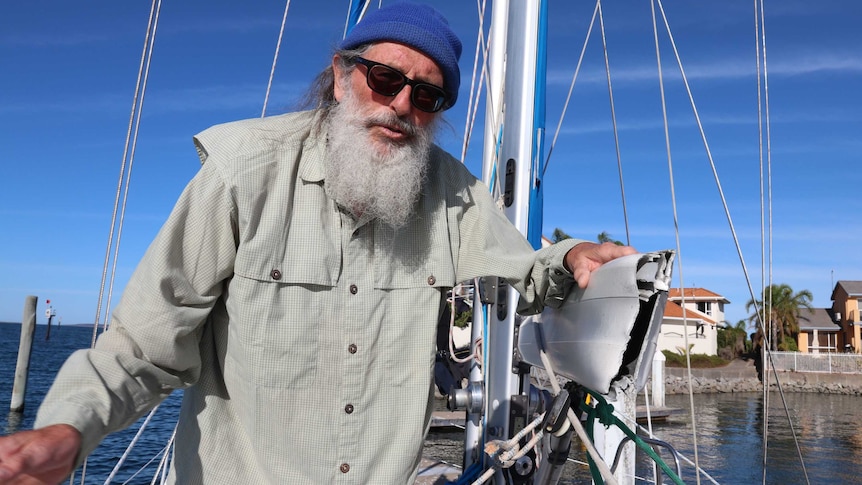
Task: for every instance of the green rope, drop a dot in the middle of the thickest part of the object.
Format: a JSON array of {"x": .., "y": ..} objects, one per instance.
[{"x": 604, "y": 413}]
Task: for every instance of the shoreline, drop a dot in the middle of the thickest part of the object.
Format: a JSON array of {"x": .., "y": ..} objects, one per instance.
[{"x": 740, "y": 376}]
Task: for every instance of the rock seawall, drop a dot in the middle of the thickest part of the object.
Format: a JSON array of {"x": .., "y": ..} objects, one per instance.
[{"x": 740, "y": 376}]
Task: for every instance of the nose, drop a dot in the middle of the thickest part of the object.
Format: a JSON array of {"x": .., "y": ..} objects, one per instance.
[{"x": 401, "y": 103}]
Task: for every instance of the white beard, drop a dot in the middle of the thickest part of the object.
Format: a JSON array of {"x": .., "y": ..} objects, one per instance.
[{"x": 383, "y": 183}]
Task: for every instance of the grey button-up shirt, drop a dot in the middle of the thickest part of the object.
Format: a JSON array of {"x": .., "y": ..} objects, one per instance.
[{"x": 304, "y": 337}]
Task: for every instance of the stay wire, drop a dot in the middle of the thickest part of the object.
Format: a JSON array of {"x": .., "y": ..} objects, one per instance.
[
  {"x": 614, "y": 122},
  {"x": 275, "y": 59},
  {"x": 770, "y": 232},
  {"x": 475, "y": 87},
  {"x": 571, "y": 88},
  {"x": 763, "y": 283},
  {"x": 123, "y": 184},
  {"x": 137, "y": 104},
  {"x": 726, "y": 208},
  {"x": 676, "y": 235}
]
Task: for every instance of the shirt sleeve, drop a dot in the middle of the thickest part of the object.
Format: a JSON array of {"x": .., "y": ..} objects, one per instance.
[
  {"x": 152, "y": 345},
  {"x": 490, "y": 245}
]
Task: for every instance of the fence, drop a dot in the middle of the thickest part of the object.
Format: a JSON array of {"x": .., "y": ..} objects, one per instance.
[{"x": 830, "y": 363}]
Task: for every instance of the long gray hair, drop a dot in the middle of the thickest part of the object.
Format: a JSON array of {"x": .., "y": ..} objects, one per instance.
[{"x": 321, "y": 93}]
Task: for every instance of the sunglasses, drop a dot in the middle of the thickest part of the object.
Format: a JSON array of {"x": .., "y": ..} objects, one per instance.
[{"x": 388, "y": 81}]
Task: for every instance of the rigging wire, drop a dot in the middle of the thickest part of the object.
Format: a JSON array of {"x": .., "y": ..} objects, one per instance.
[
  {"x": 678, "y": 243},
  {"x": 571, "y": 88},
  {"x": 614, "y": 122},
  {"x": 727, "y": 215},
  {"x": 126, "y": 162},
  {"x": 769, "y": 251},
  {"x": 275, "y": 59},
  {"x": 475, "y": 92},
  {"x": 684, "y": 458},
  {"x": 124, "y": 182},
  {"x": 649, "y": 424},
  {"x": 763, "y": 283},
  {"x": 494, "y": 105}
]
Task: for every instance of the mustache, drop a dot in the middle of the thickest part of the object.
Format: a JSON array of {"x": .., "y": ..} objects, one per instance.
[{"x": 391, "y": 119}]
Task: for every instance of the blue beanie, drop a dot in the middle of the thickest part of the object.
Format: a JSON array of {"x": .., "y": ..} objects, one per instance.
[{"x": 418, "y": 26}]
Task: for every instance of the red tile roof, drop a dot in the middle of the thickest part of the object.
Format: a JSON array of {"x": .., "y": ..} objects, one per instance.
[
  {"x": 672, "y": 310},
  {"x": 695, "y": 294}
]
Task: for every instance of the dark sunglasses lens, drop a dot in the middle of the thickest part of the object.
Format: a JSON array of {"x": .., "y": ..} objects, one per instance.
[
  {"x": 428, "y": 98},
  {"x": 389, "y": 82},
  {"x": 384, "y": 80}
]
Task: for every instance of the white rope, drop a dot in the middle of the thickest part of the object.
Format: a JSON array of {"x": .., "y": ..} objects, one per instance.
[
  {"x": 507, "y": 453},
  {"x": 159, "y": 455},
  {"x": 576, "y": 423},
  {"x": 164, "y": 464},
  {"x": 474, "y": 355},
  {"x": 275, "y": 59},
  {"x": 129, "y": 448}
]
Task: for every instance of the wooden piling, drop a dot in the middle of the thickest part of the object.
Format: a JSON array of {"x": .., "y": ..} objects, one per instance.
[{"x": 28, "y": 328}]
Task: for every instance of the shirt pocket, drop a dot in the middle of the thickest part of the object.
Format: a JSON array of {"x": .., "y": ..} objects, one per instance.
[
  {"x": 275, "y": 307},
  {"x": 277, "y": 327}
]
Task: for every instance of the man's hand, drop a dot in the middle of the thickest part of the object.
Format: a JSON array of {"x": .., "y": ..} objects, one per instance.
[
  {"x": 43, "y": 456},
  {"x": 586, "y": 257}
]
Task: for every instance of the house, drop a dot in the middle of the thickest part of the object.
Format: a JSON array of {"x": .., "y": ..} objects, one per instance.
[
  {"x": 836, "y": 329},
  {"x": 818, "y": 332},
  {"x": 846, "y": 308},
  {"x": 697, "y": 312}
]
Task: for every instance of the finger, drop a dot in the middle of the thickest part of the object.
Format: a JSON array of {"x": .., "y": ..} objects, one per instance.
[
  {"x": 610, "y": 251},
  {"x": 582, "y": 274}
]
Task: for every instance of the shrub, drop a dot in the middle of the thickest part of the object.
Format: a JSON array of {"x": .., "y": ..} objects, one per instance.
[{"x": 698, "y": 361}]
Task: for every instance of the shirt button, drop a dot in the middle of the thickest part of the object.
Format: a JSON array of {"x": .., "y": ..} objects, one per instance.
[
  {"x": 348, "y": 409},
  {"x": 275, "y": 274},
  {"x": 432, "y": 280},
  {"x": 345, "y": 468},
  {"x": 351, "y": 348},
  {"x": 353, "y": 289}
]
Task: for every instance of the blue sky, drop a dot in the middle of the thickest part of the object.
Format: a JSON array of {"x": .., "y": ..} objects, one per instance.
[{"x": 68, "y": 76}]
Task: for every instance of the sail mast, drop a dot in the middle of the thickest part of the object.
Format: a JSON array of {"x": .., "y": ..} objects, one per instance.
[{"x": 511, "y": 167}]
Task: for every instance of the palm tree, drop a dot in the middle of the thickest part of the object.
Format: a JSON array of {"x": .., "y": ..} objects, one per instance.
[
  {"x": 560, "y": 235},
  {"x": 782, "y": 308},
  {"x": 604, "y": 237}
]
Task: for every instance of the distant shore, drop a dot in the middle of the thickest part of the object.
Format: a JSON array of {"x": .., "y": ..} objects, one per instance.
[{"x": 740, "y": 376}]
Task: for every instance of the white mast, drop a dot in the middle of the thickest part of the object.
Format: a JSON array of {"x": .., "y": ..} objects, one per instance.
[{"x": 509, "y": 169}]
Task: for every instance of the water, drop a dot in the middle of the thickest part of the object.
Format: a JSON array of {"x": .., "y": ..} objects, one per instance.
[
  {"x": 728, "y": 425},
  {"x": 45, "y": 360},
  {"x": 730, "y": 449}
]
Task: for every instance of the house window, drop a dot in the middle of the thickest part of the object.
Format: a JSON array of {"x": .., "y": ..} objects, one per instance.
[{"x": 704, "y": 307}]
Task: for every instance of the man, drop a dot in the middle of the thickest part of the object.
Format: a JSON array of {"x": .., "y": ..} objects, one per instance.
[{"x": 294, "y": 290}]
